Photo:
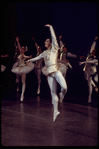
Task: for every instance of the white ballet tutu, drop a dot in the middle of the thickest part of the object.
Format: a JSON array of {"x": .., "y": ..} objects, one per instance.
[
  {"x": 61, "y": 67},
  {"x": 24, "y": 69},
  {"x": 3, "y": 68}
]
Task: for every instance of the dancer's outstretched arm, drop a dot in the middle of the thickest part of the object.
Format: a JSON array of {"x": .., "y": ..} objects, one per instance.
[
  {"x": 93, "y": 44},
  {"x": 94, "y": 61},
  {"x": 36, "y": 58}
]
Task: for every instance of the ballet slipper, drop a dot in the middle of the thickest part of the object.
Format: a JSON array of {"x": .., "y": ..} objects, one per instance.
[
  {"x": 89, "y": 100},
  {"x": 38, "y": 91},
  {"x": 22, "y": 97},
  {"x": 55, "y": 115}
]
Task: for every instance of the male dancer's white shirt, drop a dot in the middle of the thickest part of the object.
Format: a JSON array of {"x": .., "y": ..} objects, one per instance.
[{"x": 50, "y": 55}]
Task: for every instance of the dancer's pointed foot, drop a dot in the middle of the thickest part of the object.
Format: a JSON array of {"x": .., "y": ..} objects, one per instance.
[
  {"x": 38, "y": 91},
  {"x": 22, "y": 97},
  {"x": 89, "y": 100},
  {"x": 55, "y": 115}
]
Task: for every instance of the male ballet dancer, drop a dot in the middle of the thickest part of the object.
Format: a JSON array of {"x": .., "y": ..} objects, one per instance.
[{"x": 54, "y": 75}]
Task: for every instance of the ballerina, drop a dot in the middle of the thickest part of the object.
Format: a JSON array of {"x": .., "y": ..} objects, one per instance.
[
  {"x": 38, "y": 65},
  {"x": 53, "y": 74},
  {"x": 90, "y": 69},
  {"x": 21, "y": 68}
]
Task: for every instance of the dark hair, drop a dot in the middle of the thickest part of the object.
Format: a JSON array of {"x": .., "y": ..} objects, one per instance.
[
  {"x": 49, "y": 39},
  {"x": 66, "y": 46}
]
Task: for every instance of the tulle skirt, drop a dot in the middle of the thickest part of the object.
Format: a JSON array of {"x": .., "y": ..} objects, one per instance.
[
  {"x": 61, "y": 67},
  {"x": 3, "y": 68},
  {"x": 24, "y": 69}
]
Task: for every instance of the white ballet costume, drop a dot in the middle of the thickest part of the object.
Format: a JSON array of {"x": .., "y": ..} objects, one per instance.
[
  {"x": 54, "y": 75},
  {"x": 22, "y": 69}
]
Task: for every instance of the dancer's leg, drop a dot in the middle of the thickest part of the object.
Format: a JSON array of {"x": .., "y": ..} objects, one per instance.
[
  {"x": 53, "y": 88},
  {"x": 17, "y": 81},
  {"x": 95, "y": 87},
  {"x": 38, "y": 73},
  {"x": 23, "y": 77},
  {"x": 90, "y": 88},
  {"x": 60, "y": 79}
]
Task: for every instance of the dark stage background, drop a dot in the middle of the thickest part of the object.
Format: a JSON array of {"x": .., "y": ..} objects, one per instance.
[{"x": 77, "y": 22}]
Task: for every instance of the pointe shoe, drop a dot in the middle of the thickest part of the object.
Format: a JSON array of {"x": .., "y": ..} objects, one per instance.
[
  {"x": 22, "y": 97},
  {"x": 60, "y": 97},
  {"x": 38, "y": 91},
  {"x": 89, "y": 100},
  {"x": 55, "y": 115}
]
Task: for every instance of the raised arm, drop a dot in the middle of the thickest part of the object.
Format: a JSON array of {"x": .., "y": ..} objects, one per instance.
[
  {"x": 36, "y": 45},
  {"x": 93, "y": 44},
  {"x": 61, "y": 43},
  {"x": 54, "y": 40},
  {"x": 19, "y": 46}
]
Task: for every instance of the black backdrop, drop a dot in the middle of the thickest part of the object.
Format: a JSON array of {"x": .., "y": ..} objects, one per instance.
[{"x": 77, "y": 22}]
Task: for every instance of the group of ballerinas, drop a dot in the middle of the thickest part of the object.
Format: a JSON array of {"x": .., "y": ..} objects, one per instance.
[{"x": 56, "y": 65}]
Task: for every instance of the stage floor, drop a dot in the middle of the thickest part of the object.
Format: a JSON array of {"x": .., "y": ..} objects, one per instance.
[{"x": 31, "y": 123}]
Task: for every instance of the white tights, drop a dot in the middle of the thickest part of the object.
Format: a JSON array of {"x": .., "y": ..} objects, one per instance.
[
  {"x": 23, "y": 79},
  {"x": 52, "y": 81}
]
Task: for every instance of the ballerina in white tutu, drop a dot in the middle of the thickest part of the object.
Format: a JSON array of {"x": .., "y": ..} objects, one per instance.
[
  {"x": 38, "y": 65},
  {"x": 21, "y": 68}
]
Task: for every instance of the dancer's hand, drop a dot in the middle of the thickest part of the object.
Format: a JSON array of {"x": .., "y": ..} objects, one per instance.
[
  {"x": 27, "y": 61},
  {"x": 30, "y": 56},
  {"x": 17, "y": 38},
  {"x": 33, "y": 39},
  {"x": 96, "y": 37},
  {"x": 80, "y": 63},
  {"x": 81, "y": 57},
  {"x": 47, "y": 25},
  {"x": 60, "y": 37}
]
